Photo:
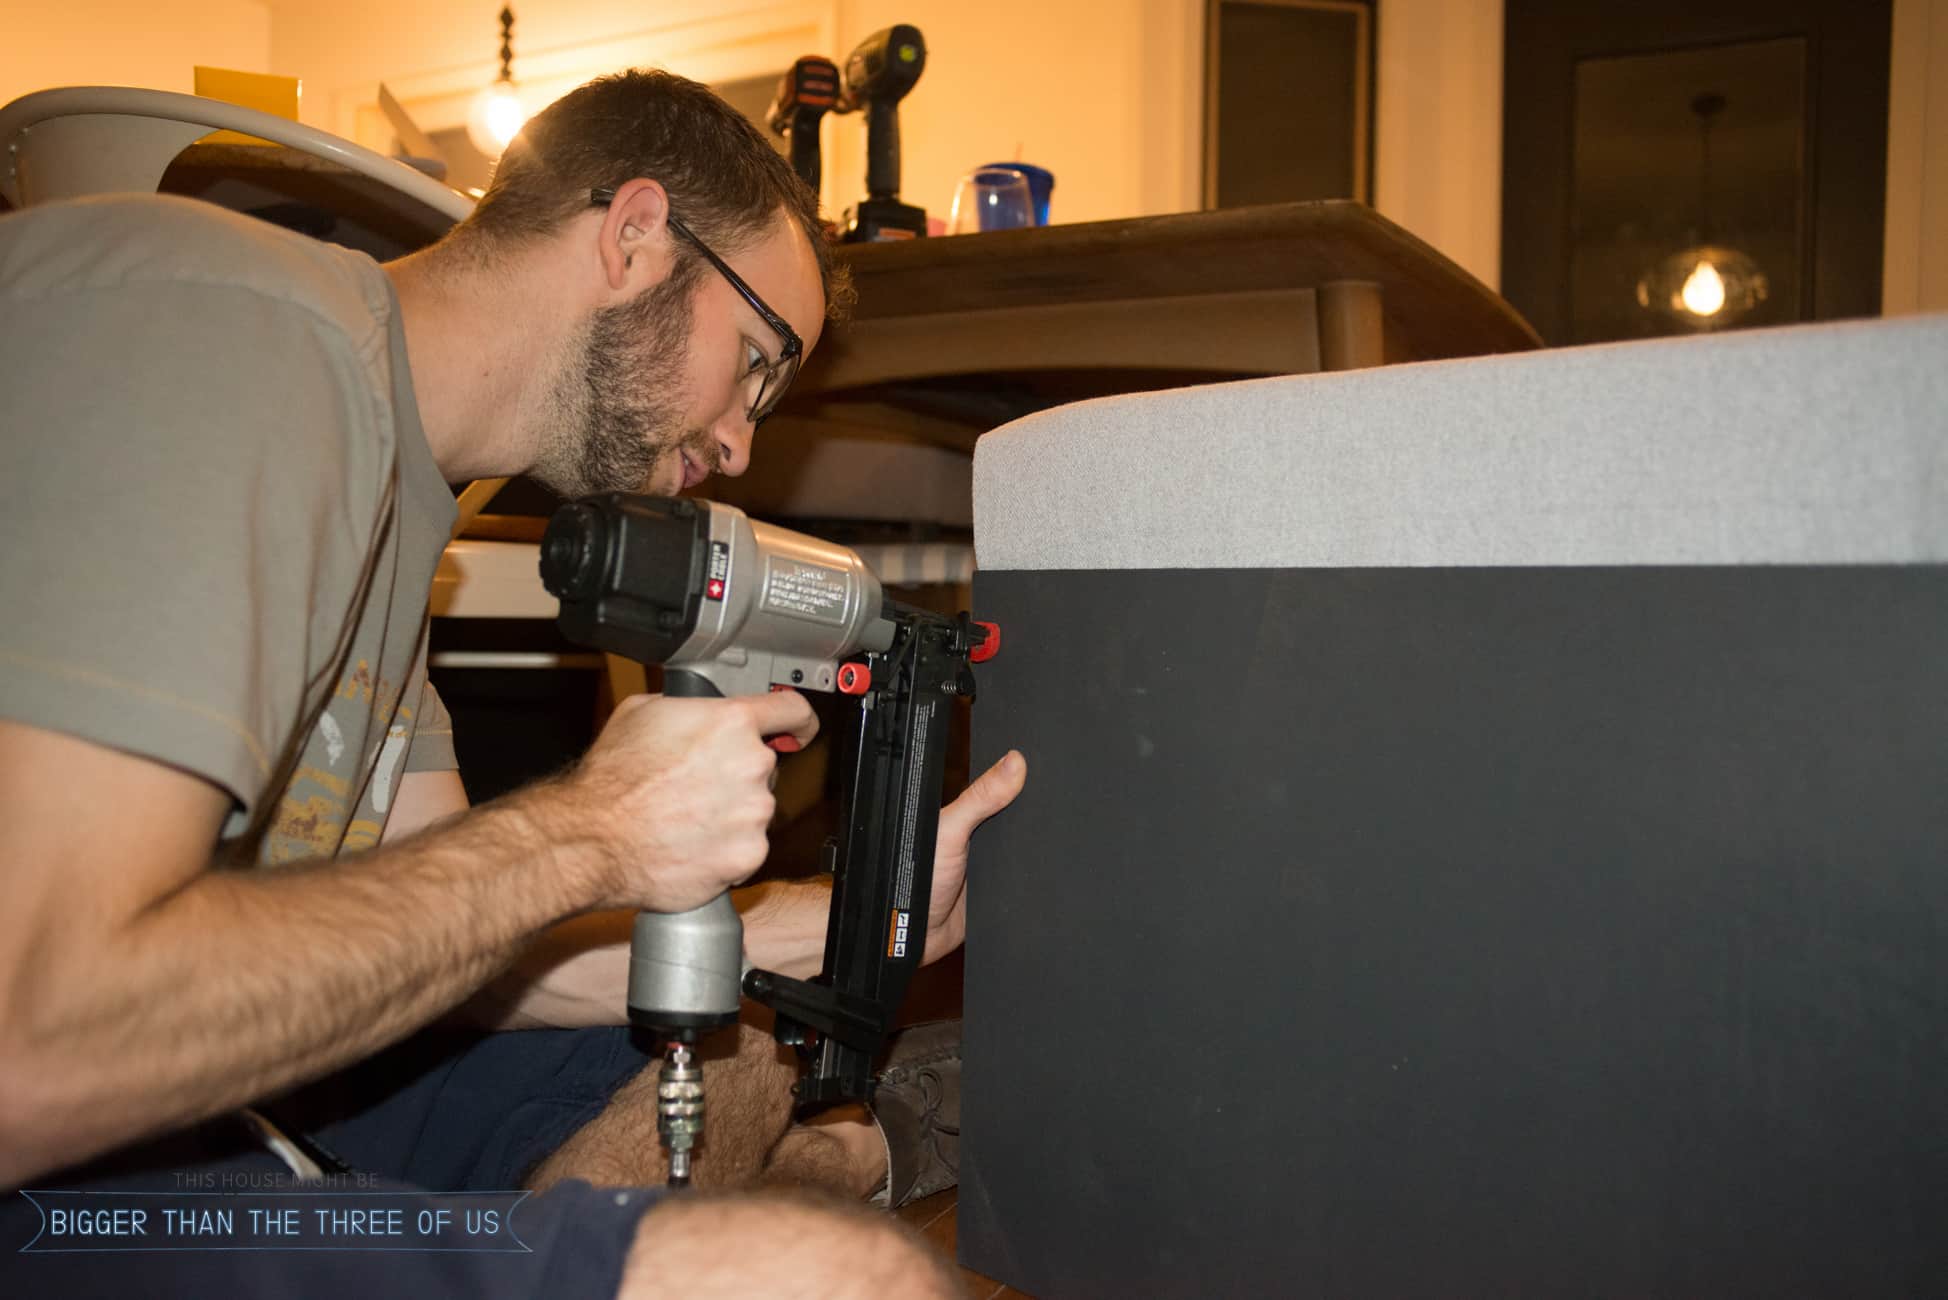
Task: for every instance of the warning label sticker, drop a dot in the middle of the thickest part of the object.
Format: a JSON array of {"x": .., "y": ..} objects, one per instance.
[
  {"x": 896, "y": 937},
  {"x": 804, "y": 590}
]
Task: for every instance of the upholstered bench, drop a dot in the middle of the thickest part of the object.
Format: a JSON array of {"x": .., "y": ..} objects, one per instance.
[{"x": 1486, "y": 831}]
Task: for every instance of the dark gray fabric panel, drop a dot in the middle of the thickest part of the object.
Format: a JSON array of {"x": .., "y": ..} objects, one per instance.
[{"x": 1500, "y": 932}]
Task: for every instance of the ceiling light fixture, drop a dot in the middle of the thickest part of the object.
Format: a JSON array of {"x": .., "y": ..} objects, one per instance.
[
  {"x": 497, "y": 114},
  {"x": 1708, "y": 285}
]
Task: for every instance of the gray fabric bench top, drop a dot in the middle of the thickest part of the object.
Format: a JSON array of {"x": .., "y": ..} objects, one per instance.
[{"x": 1823, "y": 444}]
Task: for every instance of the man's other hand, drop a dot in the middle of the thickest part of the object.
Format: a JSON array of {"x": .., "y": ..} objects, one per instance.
[{"x": 987, "y": 795}]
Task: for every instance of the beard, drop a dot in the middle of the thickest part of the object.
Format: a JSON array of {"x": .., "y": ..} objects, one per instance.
[{"x": 619, "y": 402}]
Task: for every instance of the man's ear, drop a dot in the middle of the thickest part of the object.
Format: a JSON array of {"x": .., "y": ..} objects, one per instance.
[{"x": 635, "y": 237}]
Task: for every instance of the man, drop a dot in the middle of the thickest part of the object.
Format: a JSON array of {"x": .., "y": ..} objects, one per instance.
[{"x": 238, "y": 858}]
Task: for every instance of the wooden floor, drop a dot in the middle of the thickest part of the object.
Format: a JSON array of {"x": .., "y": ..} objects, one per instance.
[{"x": 935, "y": 1218}]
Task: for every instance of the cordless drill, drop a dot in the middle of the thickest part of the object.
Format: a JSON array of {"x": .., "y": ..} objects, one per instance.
[
  {"x": 730, "y": 606},
  {"x": 807, "y": 91},
  {"x": 878, "y": 75}
]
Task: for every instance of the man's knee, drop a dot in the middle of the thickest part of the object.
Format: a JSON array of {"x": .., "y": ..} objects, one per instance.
[
  {"x": 779, "y": 1242},
  {"x": 748, "y": 1078}
]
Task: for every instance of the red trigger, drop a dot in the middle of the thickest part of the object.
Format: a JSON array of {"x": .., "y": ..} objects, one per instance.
[{"x": 785, "y": 744}]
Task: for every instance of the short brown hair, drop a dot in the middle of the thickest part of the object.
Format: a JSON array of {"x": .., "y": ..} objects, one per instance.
[{"x": 723, "y": 177}]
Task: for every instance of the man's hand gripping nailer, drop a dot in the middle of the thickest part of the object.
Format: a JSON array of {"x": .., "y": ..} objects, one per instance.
[{"x": 729, "y": 606}]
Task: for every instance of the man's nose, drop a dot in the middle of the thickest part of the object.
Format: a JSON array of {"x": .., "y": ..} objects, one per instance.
[{"x": 733, "y": 434}]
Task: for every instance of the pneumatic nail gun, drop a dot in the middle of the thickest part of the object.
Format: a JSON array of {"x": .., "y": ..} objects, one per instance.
[{"x": 730, "y": 606}]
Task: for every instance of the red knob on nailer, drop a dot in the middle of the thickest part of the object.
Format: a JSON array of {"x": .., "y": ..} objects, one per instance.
[
  {"x": 854, "y": 679},
  {"x": 989, "y": 646}
]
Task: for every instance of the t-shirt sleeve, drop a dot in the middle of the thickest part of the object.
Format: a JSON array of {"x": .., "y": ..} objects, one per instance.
[
  {"x": 190, "y": 480},
  {"x": 432, "y": 747}
]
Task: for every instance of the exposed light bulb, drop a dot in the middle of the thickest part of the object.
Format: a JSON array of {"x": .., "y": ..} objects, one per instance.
[
  {"x": 1704, "y": 290},
  {"x": 496, "y": 118},
  {"x": 1706, "y": 286},
  {"x": 504, "y": 117}
]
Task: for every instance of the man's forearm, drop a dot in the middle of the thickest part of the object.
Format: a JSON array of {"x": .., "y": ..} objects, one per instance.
[
  {"x": 577, "y": 974},
  {"x": 241, "y": 984}
]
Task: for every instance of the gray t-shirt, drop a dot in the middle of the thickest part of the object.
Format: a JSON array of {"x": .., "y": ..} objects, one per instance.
[{"x": 219, "y": 518}]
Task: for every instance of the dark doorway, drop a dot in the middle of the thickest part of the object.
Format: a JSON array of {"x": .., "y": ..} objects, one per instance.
[{"x": 1648, "y": 148}]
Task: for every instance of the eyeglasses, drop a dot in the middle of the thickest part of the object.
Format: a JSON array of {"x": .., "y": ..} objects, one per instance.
[{"x": 764, "y": 382}]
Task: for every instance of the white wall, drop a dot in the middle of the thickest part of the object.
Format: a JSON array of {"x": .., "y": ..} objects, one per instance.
[
  {"x": 1438, "y": 137},
  {"x": 1108, "y": 94},
  {"x": 152, "y": 43},
  {"x": 1916, "y": 272},
  {"x": 1104, "y": 94},
  {"x": 438, "y": 48}
]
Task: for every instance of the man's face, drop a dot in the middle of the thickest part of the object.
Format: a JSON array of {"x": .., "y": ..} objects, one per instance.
[{"x": 660, "y": 397}]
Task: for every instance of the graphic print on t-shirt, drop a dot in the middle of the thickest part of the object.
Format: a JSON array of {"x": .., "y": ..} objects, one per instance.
[{"x": 339, "y": 797}]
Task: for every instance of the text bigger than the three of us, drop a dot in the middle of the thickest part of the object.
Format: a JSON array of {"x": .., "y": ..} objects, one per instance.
[
  {"x": 288, "y": 1220},
  {"x": 348, "y": 1221}
]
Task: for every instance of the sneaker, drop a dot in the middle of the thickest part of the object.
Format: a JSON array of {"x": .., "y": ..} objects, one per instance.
[{"x": 917, "y": 1104}]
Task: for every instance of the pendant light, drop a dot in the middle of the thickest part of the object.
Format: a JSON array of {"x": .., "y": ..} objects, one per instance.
[
  {"x": 497, "y": 114},
  {"x": 1708, "y": 285}
]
